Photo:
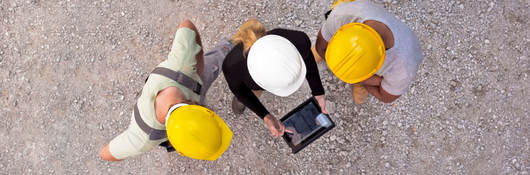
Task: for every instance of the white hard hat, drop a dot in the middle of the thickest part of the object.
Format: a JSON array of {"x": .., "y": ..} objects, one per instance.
[{"x": 275, "y": 64}]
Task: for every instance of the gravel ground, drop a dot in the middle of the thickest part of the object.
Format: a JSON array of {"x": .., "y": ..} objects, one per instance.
[{"x": 70, "y": 71}]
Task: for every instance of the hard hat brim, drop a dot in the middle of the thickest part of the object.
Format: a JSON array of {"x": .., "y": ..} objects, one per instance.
[{"x": 226, "y": 139}]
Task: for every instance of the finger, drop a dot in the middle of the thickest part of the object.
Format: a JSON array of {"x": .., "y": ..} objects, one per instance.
[
  {"x": 273, "y": 133},
  {"x": 282, "y": 129},
  {"x": 289, "y": 130},
  {"x": 277, "y": 124}
]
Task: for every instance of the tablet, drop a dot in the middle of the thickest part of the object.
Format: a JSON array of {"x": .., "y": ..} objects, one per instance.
[{"x": 308, "y": 123}]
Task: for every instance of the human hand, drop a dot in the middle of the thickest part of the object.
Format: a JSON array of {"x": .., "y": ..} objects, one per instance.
[
  {"x": 296, "y": 137},
  {"x": 276, "y": 127},
  {"x": 321, "y": 99}
]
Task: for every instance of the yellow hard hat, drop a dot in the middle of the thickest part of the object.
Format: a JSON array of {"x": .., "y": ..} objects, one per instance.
[
  {"x": 337, "y": 2},
  {"x": 355, "y": 53},
  {"x": 197, "y": 132}
]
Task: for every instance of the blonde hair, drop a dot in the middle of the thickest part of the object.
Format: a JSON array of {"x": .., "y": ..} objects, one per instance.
[{"x": 248, "y": 33}]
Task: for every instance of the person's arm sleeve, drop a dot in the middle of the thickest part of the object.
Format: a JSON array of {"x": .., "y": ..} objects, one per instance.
[
  {"x": 396, "y": 84},
  {"x": 242, "y": 92},
  {"x": 312, "y": 75},
  {"x": 184, "y": 48},
  {"x": 247, "y": 97},
  {"x": 129, "y": 144},
  {"x": 324, "y": 30}
]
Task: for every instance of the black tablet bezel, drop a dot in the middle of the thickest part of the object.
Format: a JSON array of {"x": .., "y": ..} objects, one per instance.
[{"x": 296, "y": 148}]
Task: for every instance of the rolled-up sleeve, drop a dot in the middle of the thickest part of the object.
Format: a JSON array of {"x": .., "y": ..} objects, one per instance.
[{"x": 131, "y": 142}]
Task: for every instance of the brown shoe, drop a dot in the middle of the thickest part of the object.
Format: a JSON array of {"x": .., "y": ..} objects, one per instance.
[
  {"x": 318, "y": 59},
  {"x": 237, "y": 107},
  {"x": 359, "y": 94}
]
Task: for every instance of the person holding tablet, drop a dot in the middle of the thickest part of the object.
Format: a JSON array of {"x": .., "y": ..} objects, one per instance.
[{"x": 278, "y": 61}]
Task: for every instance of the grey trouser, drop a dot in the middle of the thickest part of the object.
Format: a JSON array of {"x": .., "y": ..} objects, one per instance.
[{"x": 213, "y": 62}]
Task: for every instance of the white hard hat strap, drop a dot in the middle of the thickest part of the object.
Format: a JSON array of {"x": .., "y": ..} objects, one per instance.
[{"x": 172, "y": 109}]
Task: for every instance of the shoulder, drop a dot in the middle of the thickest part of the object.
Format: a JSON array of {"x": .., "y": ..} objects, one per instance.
[
  {"x": 408, "y": 55},
  {"x": 298, "y": 38},
  {"x": 287, "y": 33},
  {"x": 234, "y": 58}
]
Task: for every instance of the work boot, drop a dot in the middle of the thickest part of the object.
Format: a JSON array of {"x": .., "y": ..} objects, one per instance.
[
  {"x": 237, "y": 107},
  {"x": 359, "y": 94},
  {"x": 318, "y": 59}
]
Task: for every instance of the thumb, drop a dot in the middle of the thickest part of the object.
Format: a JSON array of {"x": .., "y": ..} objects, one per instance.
[{"x": 289, "y": 130}]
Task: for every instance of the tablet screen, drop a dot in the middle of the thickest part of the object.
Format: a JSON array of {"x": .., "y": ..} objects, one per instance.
[
  {"x": 307, "y": 123},
  {"x": 303, "y": 123}
]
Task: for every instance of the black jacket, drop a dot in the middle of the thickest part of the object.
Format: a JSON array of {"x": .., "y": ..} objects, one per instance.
[{"x": 241, "y": 84}]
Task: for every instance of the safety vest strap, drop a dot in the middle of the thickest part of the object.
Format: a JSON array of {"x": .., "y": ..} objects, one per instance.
[
  {"x": 154, "y": 134},
  {"x": 180, "y": 78}
]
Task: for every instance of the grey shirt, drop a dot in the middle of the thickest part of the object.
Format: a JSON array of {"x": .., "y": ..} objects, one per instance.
[{"x": 401, "y": 61}]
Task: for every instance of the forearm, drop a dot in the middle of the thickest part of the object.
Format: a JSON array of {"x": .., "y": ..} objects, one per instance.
[
  {"x": 252, "y": 102},
  {"x": 379, "y": 93},
  {"x": 321, "y": 45},
  {"x": 374, "y": 90},
  {"x": 313, "y": 76}
]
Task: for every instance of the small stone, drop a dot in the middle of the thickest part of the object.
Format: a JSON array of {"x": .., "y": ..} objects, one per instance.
[
  {"x": 330, "y": 106},
  {"x": 298, "y": 22},
  {"x": 492, "y": 4},
  {"x": 487, "y": 41},
  {"x": 452, "y": 83}
]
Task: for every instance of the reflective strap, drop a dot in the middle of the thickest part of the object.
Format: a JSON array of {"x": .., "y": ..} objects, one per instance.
[
  {"x": 154, "y": 134},
  {"x": 179, "y": 77}
]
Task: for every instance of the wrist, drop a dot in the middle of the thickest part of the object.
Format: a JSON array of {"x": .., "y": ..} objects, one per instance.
[{"x": 267, "y": 117}]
